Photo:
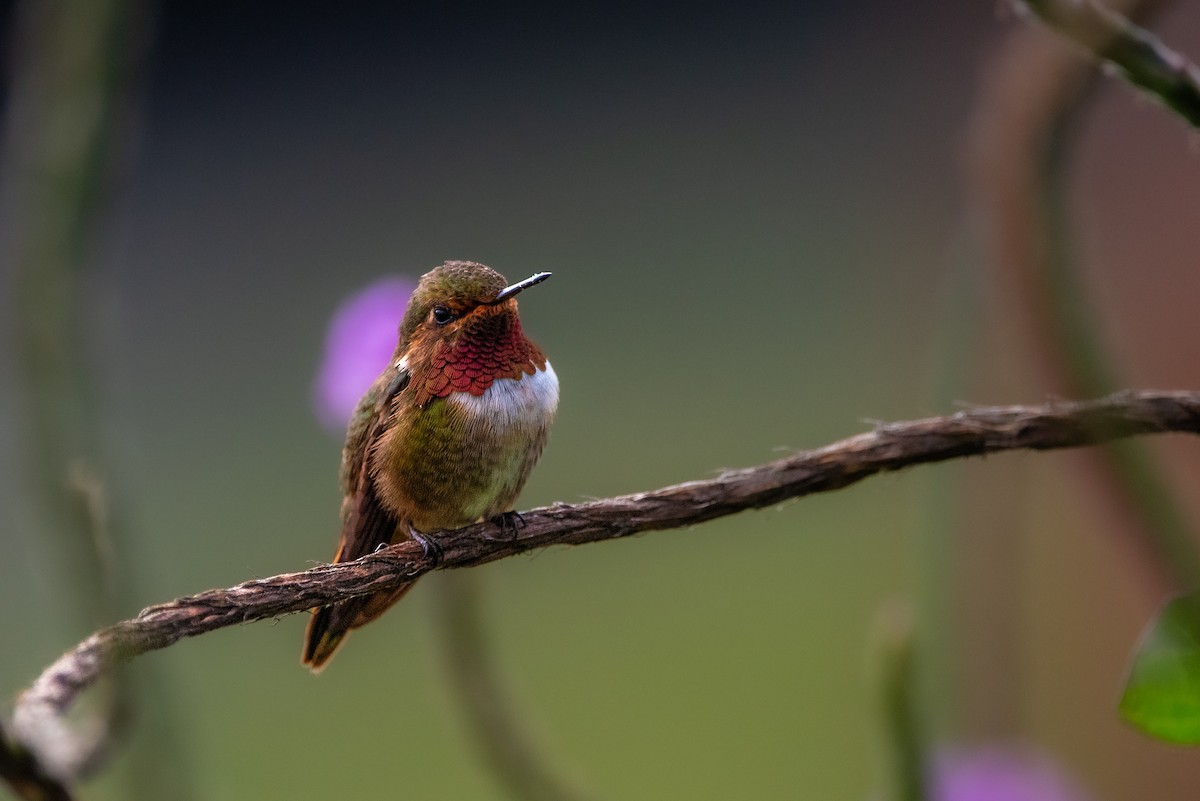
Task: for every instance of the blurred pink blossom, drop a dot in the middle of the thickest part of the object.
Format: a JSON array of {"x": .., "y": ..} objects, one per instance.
[
  {"x": 360, "y": 340},
  {"x": 997, "y": 773}
]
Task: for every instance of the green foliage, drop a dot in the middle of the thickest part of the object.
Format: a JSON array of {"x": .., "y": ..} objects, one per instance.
[{"x": 1162, "y": 695}]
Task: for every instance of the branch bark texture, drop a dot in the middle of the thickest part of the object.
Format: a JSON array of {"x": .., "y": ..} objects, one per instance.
[{"x": 38, "y": 721}]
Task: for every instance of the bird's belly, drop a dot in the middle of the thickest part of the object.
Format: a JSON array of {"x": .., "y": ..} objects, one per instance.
[{"x": 469, "y": 454}]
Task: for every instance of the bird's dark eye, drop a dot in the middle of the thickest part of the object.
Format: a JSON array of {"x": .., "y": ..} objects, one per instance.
[{"x": 442, "y": 315}]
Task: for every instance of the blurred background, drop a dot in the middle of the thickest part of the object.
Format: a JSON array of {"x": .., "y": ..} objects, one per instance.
[{"x": 765, "y": 230}]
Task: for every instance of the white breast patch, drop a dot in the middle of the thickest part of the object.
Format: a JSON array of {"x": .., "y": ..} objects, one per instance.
[{"x": 526, "y": 401}]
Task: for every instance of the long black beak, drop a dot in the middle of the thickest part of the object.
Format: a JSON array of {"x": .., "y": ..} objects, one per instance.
[{"x": 514, "y": 289}]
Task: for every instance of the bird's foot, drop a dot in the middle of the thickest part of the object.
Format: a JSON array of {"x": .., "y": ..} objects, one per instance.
[
  {"x": 509, "y": 524},
  {"x": 430, "y": 547}
]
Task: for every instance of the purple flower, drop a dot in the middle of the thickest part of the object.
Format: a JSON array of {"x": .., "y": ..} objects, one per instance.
[
  {"x": 997, "y": 773},
  {"x": 360, "y": 340}
]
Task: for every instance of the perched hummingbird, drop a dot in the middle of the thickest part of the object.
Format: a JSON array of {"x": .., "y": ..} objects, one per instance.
[{"x": 447, "y": 434}]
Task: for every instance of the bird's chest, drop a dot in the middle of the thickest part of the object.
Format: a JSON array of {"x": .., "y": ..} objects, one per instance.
[
  {"x": 509, "y": 405},
  {"x": 466, "y": 456}
]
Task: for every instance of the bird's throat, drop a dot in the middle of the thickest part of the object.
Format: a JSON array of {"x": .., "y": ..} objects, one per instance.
[{"x": 489, "y": 348}]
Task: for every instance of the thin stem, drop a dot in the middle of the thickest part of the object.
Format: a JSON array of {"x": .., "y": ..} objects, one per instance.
[
  {"x": 1137, "y": 54},
  {"x": 1021, "y": 140},
  {"x": 900, "y": 708},
  {"x": 1087, "y": 363},
  {"x": 505, "y": 743}
]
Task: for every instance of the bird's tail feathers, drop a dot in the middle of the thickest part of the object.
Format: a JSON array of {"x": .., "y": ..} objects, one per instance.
[{"x": 330, "y": 624}]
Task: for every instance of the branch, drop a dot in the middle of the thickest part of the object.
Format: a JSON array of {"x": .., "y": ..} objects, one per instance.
[
  {"x": 73, "y": 89},
  {"x": 38, "y": 722},
  {"x": 24, "y": 775},
  {"x": 1140, "y": 57}
]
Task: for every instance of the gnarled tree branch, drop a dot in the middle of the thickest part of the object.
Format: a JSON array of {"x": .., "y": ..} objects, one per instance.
[{"x": 38, "y": 720}]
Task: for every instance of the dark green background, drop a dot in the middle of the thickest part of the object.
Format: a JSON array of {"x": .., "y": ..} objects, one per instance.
[{"x": 755, "y": 217}]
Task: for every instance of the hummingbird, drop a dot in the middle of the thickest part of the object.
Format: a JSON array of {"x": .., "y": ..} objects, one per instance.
[{"x": 446, "y": 435}]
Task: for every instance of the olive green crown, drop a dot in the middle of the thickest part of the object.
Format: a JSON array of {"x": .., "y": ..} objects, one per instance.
[{"x": 456, "y": 284}]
